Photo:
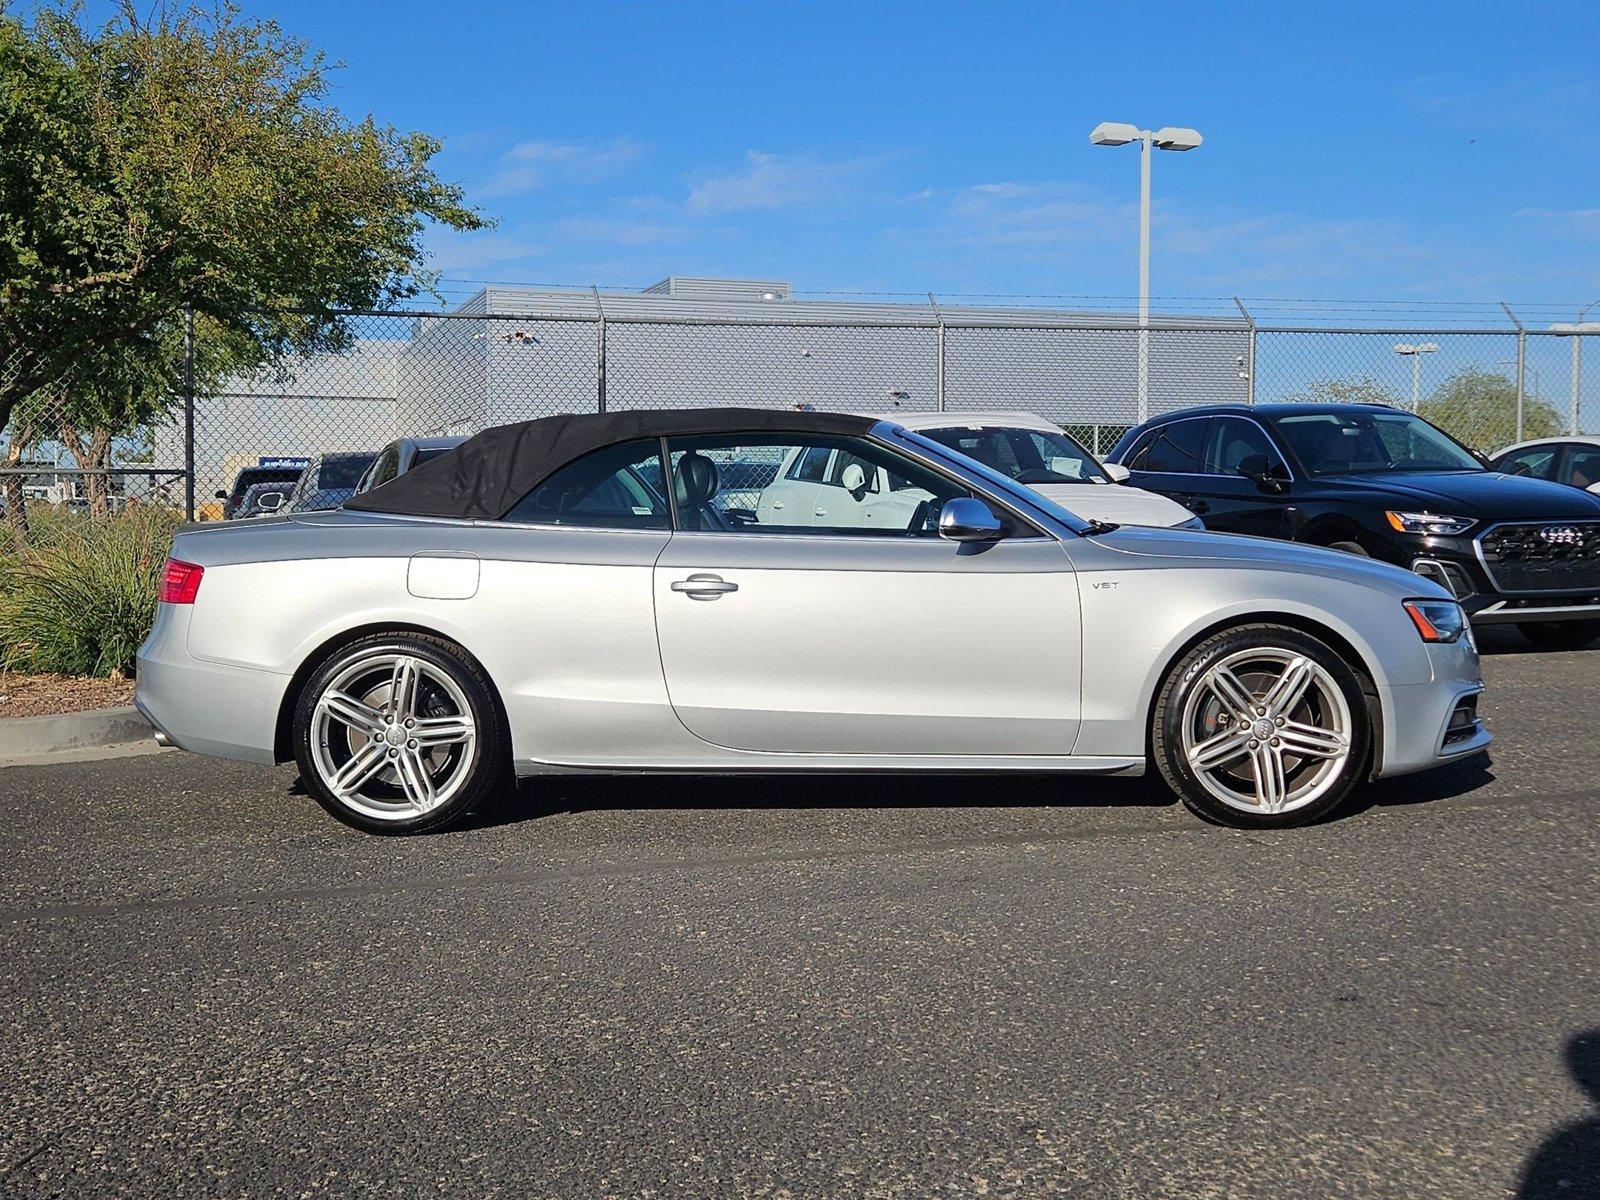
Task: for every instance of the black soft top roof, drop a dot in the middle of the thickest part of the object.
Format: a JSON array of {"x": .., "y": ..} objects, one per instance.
[{"x": 484, "y": 477}]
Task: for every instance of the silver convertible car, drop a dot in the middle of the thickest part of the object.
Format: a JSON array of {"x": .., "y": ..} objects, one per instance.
[{"x": 609, "y": 592}]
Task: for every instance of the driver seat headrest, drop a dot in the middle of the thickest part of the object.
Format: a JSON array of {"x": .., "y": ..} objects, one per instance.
[{"x": 696, "y": 479}]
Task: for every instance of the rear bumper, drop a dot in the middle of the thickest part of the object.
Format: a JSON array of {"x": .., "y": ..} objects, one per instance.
[{"x": 230, "y": 712}]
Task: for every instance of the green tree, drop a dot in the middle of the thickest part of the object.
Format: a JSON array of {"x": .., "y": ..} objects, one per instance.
[
  {"x": 188, "y": 158},
  {"x": 1359, "y": 389},
  {"x": 1480, "y": 409}
]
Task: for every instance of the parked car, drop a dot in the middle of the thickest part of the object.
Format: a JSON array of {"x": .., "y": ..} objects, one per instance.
[
  {"x": 1574, "y": 461},
  {"x": 1384, "y": 483},
  {"x": 284, "y": 476},
  {"x": 327, "y": 482},
  {"x": 521, "y": 605},
  {"x": 399, "y": 456},
  {"x": 1040, "y": 454},
  {"x": 260, "y": 499}
]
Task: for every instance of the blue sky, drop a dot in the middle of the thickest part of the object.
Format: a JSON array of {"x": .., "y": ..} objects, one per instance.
[{"x": 1430, "y": 152}]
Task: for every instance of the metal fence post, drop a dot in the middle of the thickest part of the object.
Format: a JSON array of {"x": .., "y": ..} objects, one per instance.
[
  {"x": 188, "y": 412},
  {"x": 600, "y": 353},
  {"x": 1250, "y": 355},
  {"x": 1522, "y": 367},
  {"x": 938, "y": 373}
]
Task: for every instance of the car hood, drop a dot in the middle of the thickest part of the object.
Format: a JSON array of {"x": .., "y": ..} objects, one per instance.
[
  {"x": 1486, "y": 495},
  {"x": 1116, "y": 503},
  {"x": 1265, "y": 554}
]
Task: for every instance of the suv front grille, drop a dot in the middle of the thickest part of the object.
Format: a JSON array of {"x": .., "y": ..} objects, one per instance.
[{"x": 1542, "y": 556}]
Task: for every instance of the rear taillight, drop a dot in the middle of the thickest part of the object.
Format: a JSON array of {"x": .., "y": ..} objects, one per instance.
[{"x": 180, "y": 582}]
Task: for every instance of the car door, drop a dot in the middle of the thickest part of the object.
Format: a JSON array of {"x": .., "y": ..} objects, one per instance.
[
  {"x": 1233, "y": 502},
  {"x": 847, "y": 639},
  {"x": 1533, "y": 462},
  {"x": 791, "y": 496},
  {"x": 1169, "y": 460},
  {"x": 1581, "y": 467}
]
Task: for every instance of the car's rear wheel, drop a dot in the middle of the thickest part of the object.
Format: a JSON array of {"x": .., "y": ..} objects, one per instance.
[
  {"x": 1560, "y": 635},
  {"x": 399, "y": 733},
  {"x": 1261, "y": 726}
]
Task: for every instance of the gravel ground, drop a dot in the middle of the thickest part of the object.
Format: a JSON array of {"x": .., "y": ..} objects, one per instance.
[
  {"x": 812, "y": 987},
  {"x": 39, "y": 695}
]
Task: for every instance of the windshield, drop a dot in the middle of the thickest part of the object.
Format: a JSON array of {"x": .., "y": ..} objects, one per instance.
[
  {"x": 342, "y": 470},
  {"x": 1359, "y": 443},
  {"x": 1029, "y": 456}
]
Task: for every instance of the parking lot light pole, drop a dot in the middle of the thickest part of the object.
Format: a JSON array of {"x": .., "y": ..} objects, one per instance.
[
  {"x": 1414, "y": 351},
  {"x": 1580, "y": 327},
  {"x": 1170, "y": 137}
]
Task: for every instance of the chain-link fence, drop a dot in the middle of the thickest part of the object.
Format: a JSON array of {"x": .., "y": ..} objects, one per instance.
[{"x": 405, "y": 374}]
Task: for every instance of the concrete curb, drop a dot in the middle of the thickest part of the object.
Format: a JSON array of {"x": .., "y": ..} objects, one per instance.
[{"x": 26, "y": 738}]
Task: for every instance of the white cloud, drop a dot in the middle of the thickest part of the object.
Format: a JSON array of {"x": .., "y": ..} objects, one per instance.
[
  {"x": 617, "y": 232},
  {"x": 769, "y": 181},
  {"x": 528, "y": 165},
  {"x": 452, "y": 251}
]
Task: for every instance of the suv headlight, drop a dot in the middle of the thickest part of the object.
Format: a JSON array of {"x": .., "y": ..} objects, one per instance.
[
  {"x": 1412, "y": 522},
  {"x": 1437, "y": 620}
]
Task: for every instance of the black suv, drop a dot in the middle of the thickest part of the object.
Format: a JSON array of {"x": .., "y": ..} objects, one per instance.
[{"x": 1382, "y": 482}]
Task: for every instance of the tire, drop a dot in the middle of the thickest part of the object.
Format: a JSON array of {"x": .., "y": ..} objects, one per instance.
[
  {"x": 1209, "y": 758},
  {"x": 1560, "y": 635},
  {"x": 374, "y": 772},
  {"x": 1350, "y": 548}
]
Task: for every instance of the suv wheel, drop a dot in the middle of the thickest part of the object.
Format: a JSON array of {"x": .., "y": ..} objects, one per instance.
[
  {"x": 1560, "y": 635},
  {"x": 1261, "y": 727},
  {"x": 399, "y": 733}
]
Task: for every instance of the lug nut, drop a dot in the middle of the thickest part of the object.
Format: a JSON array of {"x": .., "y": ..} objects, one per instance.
[
  {"x": 1276, "y": 742},
  {"x": 410, "y": 723},
  {"x": 1254, "y": 744},
  {"x": 411, "y": 745},
  {"x": 1279, "y": 722},
  {"x": 392, "y": 753}
]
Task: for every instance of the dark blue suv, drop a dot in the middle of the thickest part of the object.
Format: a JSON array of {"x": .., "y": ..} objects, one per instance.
[{"x": 1383, "y": 482}]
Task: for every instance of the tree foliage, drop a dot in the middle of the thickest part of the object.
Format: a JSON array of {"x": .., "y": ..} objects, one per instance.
[
  {"x": 1480, "y": 409},
  {"x": 191, "y": 157},
  {"x": 1359, "y": 389}
]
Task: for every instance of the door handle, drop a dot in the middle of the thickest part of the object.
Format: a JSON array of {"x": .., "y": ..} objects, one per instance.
[
  {"x": 703, "y": 586},
  {"x": 777, "y": 504},
  {"x": 821, "y": 512}
]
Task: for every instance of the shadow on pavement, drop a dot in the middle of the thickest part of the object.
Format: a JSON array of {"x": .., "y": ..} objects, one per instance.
[
  {"x": 1496, "y": 640},
  {"x": 1568, "y": 1163}
]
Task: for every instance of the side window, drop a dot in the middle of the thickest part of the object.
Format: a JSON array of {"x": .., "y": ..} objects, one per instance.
[
  {"x": 707, "y": 473},
  {"x": 1584, "y": 471},
  {"x": 1175, "y": 448},
  {"x": 384, "y": 469},
  {"x": 810, "y": 464},
  {"x": 1537, "y": 462},
  {"x": 607, "y": 489},
  {"x": 1233, "y": 440}
]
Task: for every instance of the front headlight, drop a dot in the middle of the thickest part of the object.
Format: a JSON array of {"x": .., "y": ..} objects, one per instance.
[
  {"x": 1412, "y": 522},
  {"x": 1437, "y": 620},
  {"x": 1191, "y": 523}
]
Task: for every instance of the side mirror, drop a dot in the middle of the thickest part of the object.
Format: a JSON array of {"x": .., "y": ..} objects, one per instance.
[
  {"x": 966, "y": 520},
  {"x": 222, "y": 495},
  {"x": 1117, "y": 473},
  {"x": 270, "y": 502},
  {"x": 1258, "y": 470},
  {"x": 853, "y": 479}
]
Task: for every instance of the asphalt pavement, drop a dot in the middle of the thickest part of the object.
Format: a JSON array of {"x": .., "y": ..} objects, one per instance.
[{"x": 812, "y": 987}]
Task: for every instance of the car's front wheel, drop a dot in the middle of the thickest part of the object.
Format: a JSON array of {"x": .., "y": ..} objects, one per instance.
[
  {"x": 399, "y": 733},
  {"x": 1560, "y": 635},
  {"x": 1261, "y": 726}
]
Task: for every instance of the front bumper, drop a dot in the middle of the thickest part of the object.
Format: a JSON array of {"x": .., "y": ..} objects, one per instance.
[
  {"x": 1427, "y": 724},
  {"x": 1456, "y": 565}
]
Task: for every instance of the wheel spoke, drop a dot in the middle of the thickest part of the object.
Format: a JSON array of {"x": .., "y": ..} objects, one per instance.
[
  {"x": 1220, "y": 750},
  {"x": 342, "y": 706},
  {"x": 361, "y": 766},
  {"x": 1309, "y": 741},
  {"x": 1231, "y": 690},
  {"x": 1271, "y": 787},
  {"x": 403, "y": 689},
  {"x": 442, "y": 731},
  {"x": 1290, "y": 687},
  {"x": 416, "y": 781}
]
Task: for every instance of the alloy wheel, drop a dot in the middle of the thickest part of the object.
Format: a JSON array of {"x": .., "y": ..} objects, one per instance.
[
  {"x": 1267, "y": 730},
  {"x": 392, "y": 736}
]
